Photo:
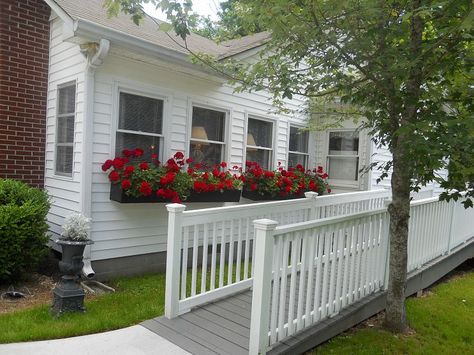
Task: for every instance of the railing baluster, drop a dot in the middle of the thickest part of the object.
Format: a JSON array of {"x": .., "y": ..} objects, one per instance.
[
  {"x": 317, "y": 285},
  {"x": 247, "y": 249},
  {"x": 184, "y": 269},
  {"x": 294, "y": 265},
  {"x": 205, "y": 250},
  {"x": 309, "y": 288},
  {"x": 213, "y": 257},
  {"x": 283, "y": 294},
  {"x": 195, "y": 259},
  {"x": 302, "y": 281},
  {"x": 277, "y": 267},
  {"x": 239, "y": 251},
  {"x": 222, "y": 256}
]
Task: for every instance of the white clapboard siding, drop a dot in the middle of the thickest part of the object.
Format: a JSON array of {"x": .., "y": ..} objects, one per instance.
[
  {"x": 66, "y": 64},
  {"x": 138, "y": 228}
]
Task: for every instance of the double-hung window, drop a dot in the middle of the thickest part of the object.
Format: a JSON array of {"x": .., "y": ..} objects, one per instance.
[
  {"x": 66, "y": 108},
  {"x": 140, "y": 124},
  {"x": 207, "y": 144},
  {"x": 343, "y": 156},
  {"x": 298, "y": 148},
  {"x": 260, "y": 142}
]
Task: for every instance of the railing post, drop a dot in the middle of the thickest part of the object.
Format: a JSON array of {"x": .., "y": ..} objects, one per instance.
[
  {"x": 262, "y": 284},
  {"x": 451, "y": 226},
  {"x": 387, "y": 235},
  {"x": 173, "y": 256},
  {"x": 312, "y": 196}
]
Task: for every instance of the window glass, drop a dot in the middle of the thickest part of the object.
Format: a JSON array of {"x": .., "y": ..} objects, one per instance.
[
  {"x": 343, "y": 157},
  {"x": 261, "y": 132},
  {"x": 295, "y": 159},
  {"x": 66, "y": 105},
  {"x": 140, "y": 125},
  {"x": 140, "y": 113},
  {"x": 260, "y": 142},
  {"x": 208, "y": 124},
  {"x": 298, "y": 140},
  {"x": 207, "y": 136},
  {"x": 344, "y": 143}
]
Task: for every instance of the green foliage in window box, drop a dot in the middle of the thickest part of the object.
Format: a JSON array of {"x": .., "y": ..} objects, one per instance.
[{"x": 23, "y": 228}]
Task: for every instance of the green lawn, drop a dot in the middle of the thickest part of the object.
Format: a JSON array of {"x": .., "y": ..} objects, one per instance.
[
  {"x": 137, "y": 299},
  {"x": 443, "y": 323}
]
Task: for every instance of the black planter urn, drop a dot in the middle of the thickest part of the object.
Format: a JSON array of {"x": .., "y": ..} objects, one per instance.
[{"x": 68, "y": 295}]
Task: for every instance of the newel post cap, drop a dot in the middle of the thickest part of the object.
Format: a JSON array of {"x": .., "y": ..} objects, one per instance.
[
  {"x": 175, "y": 207},
  {"x": 311, "y": 194},
  {"x": 265, "y": 224}
]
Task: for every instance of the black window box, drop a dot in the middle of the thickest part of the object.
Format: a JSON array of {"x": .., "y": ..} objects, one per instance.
[
  {"x": 256, "y": 196},
  {"x": 118, "y": 195}
]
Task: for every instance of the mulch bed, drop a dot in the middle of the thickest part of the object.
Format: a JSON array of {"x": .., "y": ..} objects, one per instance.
[{"x": 37, "y": 287}]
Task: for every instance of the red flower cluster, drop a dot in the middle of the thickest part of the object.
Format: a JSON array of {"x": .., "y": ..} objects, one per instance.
[
  {"x": 293, "y": 181},
  {"x": 173, "y": 181}
]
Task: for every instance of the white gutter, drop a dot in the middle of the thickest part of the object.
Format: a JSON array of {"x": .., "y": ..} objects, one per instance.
[
  {"x": 94, "y": 60},
  {"x": 91, "y": 31}
]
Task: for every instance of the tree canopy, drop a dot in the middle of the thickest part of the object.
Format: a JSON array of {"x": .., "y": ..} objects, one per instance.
[{"x": 406, "y": 67}]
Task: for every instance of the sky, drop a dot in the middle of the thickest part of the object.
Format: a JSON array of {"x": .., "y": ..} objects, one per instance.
[{"x": 202, "y": 7}]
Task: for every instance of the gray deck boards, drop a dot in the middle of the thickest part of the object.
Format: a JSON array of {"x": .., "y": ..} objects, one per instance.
[{"x": 222, "y": 327}]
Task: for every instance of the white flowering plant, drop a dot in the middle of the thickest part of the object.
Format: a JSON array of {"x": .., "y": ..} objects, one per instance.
[{"x": 76, "y": 228}]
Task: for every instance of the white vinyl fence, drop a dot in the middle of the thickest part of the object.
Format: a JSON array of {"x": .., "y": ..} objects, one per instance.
[
  {"x": 306, "y": 272},
  {"x": 210, "y": 251}
]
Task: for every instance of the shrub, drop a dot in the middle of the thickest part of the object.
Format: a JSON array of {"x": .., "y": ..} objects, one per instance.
[{"x": 23, "y": 228}]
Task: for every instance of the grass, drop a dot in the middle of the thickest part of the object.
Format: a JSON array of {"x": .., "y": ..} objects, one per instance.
[
  {"x": 443, "y": 323},
  {"x": 137, "y": 299}
]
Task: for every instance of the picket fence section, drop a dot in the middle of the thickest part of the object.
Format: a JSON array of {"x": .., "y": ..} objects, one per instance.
[
  {"x": 306, "y": 272},
  {"x": 211, "y": 251}
]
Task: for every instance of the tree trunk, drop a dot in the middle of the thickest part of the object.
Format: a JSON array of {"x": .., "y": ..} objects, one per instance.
[{"x": 399, "y": 210}]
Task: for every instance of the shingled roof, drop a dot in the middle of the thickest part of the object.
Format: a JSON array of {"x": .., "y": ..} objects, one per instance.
[{"x": 93, "y": 11}]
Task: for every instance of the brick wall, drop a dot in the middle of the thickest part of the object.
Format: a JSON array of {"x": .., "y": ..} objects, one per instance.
[{"x": 24, "y": 44}]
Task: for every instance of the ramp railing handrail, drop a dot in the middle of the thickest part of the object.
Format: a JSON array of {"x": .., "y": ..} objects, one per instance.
[
  {"x": 210, "y": 251},
  {"x": 306, "y": 272}
]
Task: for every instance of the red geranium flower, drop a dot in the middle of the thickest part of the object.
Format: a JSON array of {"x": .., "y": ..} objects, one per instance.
[
  {"x": 138, "y": 152},
  {"x": 145, "y": 189},
  {"x": 144, "y": 166},
  {"x": 126, "y": 184},
  {"x": 154, "y": 156},
  {"x": 253, "y": 186},
  {"x": 114, "y": 176},
  {"x": 107, "y": 165},
  {"x": 129, "y": 169},
  {"x": 223, "y": 164},
  {"x": 189, "y": 160},
  {"x": 128, "y": 153},
  {"x": 179, "y": 155},
  {"x": 118, "y": 163}
]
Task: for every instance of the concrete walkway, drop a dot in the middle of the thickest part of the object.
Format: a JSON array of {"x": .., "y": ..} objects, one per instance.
[{"x": 136, "y": 340}]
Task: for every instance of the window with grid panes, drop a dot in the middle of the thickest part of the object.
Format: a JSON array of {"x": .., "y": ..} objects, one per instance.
[
  {"x": 343, "y": 156},
  {"x": 207, "y": 144},
  {"x": 140, "y": 124},
  {"x": 66, "y": 110},
  {"x": 260, "y": 142},
  {"x": 298, "y": 147}
]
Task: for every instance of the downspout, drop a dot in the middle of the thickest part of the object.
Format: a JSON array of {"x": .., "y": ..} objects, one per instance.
[{"x": 95, "y": 54}]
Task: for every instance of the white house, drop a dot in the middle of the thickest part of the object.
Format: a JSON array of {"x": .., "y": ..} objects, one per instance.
[{"x": 115, "y": 85}]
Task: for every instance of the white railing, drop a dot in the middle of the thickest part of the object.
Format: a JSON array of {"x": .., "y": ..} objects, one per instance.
[
  {"x": 306, "y": 272},
  {"x": 210, "y": 251}
]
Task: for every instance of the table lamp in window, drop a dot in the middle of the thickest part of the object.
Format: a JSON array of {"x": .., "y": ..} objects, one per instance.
[{"x": 199, "y": 135}]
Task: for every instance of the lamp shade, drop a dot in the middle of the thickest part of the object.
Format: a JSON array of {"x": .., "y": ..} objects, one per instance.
[
  {"x": 199, "y": 132},
  {"x": 251, "y": 142}
]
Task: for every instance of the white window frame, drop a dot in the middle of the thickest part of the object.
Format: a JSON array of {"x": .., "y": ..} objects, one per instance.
[
  {"x": 306, "y": 155},
  {"x": 58, "y": 117},
  {"x": 161, "y": 136},
  {"x": 271, "y": 158},
  {"x": 226, "y": 113},
  {"x": 339, "y": 182}
]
